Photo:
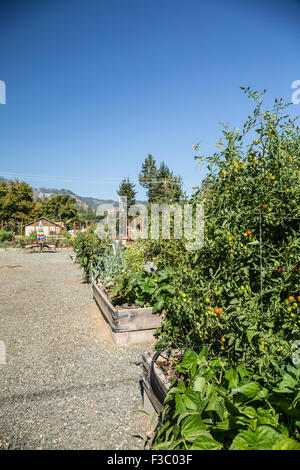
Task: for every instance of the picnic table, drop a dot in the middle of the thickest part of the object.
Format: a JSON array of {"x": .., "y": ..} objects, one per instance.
[{"x": 40, "y": 245}]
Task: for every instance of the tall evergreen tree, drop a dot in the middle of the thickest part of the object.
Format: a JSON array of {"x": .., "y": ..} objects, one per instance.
[
  {"x": 169, "y": 186},
  {"x": 148, "y": 177},
  {"x": 161, "y": 184},
  {"x": 127, "y": 188}
]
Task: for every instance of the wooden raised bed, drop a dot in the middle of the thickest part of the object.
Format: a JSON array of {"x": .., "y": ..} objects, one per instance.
[
  {"x": 155, "y": 384},
  {"x": 127, "y": 325}
]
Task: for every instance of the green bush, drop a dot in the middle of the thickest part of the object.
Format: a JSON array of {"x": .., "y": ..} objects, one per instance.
[
  {"x": 67, "y": 239},
  {"x": 88, "y": 249},
  {"x": 134, "y": 258},
  {"x": 27, "y": 239},
  {"x": 5, "y": 236},
  {"x": 32, "y": 237},
  {"x": 5, "y": 244}
]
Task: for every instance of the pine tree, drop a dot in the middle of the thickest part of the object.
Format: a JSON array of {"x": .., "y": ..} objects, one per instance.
[
  {"x": 127, "y": 188},
  {"x": 161, "y": 184},
  {"x": 148, "y": 177}
]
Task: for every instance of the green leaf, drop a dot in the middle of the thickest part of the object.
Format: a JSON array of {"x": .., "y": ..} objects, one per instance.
[
  {"x": 250, "y": 334},
  {"x": 193, "y": 401},
  {"x": 266, "y": 417},
  {"x": 223, "y": 425},
  {"x": 251, "y": 390},
  {"x": 192, "y": 427},
  {"x": 232, "y": 409},
  {"x": 199, "y": 385},
  {"x": 287, "y": 444},
  {"x": 206, "y": 442},
  {"x": 167, "y": 445},
  {"x": 158, "y": 306},
  {"x": 287, "y": 385},
  {"x": 233, "y": 378},
  {"x": 180, "y": 408},
  {"x": 250, "y": 411},
  {"x": 217, "y": 405},
  {"x": 189, "y": 362},
  {"x": 202, "y": 354},
  {"x": 264, "y": 438}
]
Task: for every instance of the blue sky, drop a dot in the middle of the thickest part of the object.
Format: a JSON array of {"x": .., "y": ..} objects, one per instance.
[{"x": 93, "y": 86}]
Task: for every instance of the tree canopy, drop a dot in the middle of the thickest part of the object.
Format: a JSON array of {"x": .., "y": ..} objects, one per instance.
[
  {"x": 60, "y": 208},
  {"x": 16, "y": 201}
]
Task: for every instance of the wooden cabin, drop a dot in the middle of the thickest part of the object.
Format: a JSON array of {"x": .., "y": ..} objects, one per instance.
[{"x": 49, "y": 226}]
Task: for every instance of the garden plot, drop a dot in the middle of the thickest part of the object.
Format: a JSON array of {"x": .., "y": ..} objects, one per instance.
[{"x": 129, "y": 324}]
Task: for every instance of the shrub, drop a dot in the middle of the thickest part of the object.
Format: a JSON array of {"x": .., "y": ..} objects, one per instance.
[
  {"x": 67, "y": 239},
  {"x": 6, "y": 244},
  {"x": 32, "y": 236},
  {"x": 134, "y": 258},
  {"x": 88, "y": 249},
  {"x": 5, "y": 236}
]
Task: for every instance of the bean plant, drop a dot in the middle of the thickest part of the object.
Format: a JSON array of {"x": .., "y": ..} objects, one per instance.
[{"x": 214, "y": 407}]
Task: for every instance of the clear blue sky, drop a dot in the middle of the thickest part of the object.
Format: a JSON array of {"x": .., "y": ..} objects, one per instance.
[{"x": 93, "y": 86}]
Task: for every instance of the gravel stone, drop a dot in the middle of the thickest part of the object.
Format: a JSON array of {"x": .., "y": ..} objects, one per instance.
[{"x": 64, "y": 384}]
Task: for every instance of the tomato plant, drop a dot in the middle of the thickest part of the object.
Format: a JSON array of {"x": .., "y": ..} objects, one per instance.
[
  {"x": 88, "y": 249},
  {"x": 237, "y": 284}
]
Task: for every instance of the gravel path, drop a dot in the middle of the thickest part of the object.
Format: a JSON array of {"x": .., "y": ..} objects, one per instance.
[{"x": 64, "y": 384}]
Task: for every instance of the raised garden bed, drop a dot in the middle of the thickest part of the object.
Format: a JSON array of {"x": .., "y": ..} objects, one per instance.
[
  {"x": 128, "y": 324},
  {"x": 156, "y": 382}
]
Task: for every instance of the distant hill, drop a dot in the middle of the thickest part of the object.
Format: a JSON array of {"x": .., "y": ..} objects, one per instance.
[
  {"x": 81, "y": 201},
  {"x": 84, "y": 202}
]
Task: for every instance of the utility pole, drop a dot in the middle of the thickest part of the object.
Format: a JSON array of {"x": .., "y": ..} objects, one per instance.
[
  {"x": 166, "y": 190},
  {"x": 165, "y": 187}
]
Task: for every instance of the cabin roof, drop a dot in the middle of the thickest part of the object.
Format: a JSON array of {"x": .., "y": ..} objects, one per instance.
[{"x": 44, "y": 218}]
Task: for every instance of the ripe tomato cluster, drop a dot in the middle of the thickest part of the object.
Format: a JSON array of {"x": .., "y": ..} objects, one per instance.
[{"x": 294, "y": 305}]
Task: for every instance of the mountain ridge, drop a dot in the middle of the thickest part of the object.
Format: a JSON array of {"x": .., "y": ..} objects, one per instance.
[{"x": 83, "y": 202}]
